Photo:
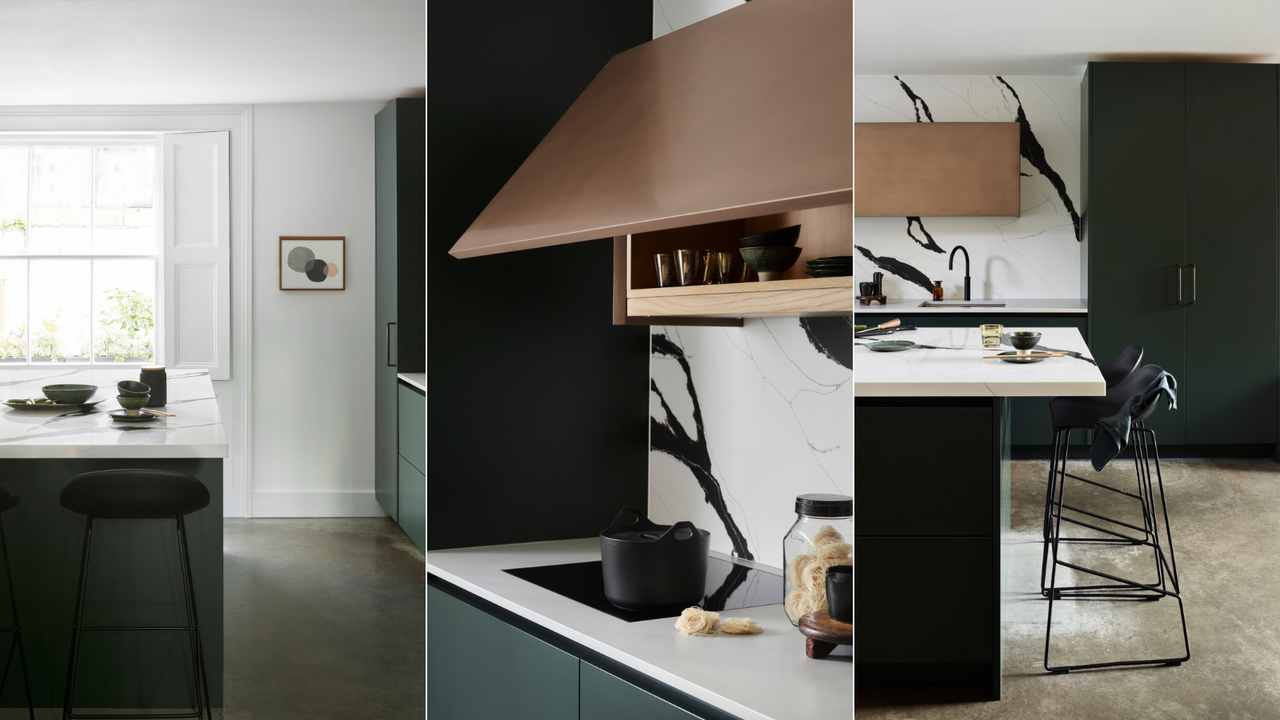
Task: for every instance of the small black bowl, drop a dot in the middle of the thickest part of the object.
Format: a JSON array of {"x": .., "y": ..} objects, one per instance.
[
  {"x": 840, "y": 593},
  {"x": 782, "y": 237},
  {"x": 1024, "y": 339},
  {"x": 133, "y": 388}
]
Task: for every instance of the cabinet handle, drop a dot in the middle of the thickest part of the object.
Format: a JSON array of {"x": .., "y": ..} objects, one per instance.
[
  {"x": 1179, "y": 283},
  {"x": 389, "y": 363},
  {"x": 1193, "y": 283}
]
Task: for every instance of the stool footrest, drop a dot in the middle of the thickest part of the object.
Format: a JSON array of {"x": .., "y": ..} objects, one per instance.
[{"x": 142, "y": 627}]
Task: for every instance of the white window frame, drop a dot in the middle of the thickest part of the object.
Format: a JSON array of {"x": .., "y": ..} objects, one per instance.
[
  {"x": 93, "y": 140},
  {"x": 234, "y": 395}
]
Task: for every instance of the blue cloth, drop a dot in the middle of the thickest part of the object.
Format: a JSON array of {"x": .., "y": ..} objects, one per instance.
[{"x": 1112, "y": 435}]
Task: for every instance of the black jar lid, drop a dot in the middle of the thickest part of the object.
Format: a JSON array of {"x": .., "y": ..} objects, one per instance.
[{"x": 824, "y": 505}]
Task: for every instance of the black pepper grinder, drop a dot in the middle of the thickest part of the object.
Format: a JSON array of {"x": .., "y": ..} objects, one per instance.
[
  {"x": 878, "y": 280},
  {"x": 158, "y": 380}
]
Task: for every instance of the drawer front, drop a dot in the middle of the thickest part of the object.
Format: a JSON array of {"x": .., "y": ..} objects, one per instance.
[
  {"x": 412, "y": 414},
  {"x": 413, "y": 503},
  {"x": 604, "y": 696},
  {"x": 924, "y": 601},
  {"x": 924, "y": 471},
  {"x": 481, "y": 668}
]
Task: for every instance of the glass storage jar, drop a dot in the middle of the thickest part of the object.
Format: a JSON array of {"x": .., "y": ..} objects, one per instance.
[{"x": 821, "y": 537}]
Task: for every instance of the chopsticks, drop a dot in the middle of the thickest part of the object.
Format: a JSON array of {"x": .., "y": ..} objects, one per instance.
[
  {"x": 1028, "y": 355},
  {"x": 157, "y": 413}
]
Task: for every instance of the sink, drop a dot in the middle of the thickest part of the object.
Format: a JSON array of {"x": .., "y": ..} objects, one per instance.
[{"x": 961, "y": 303}]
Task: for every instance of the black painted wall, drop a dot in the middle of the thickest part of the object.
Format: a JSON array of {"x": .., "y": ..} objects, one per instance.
[{"x": 537, "y": 406}]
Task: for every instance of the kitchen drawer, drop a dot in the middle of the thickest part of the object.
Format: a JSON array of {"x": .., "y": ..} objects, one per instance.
[
  {"x": 481, "y": 668},
  {"x": 412, "y": 485},
  {"x": 924, "y": 601},
  {"x": 897, "y": 481},
  {"x": 604, "y": 696},
  {"x": 412, "y": 409}
]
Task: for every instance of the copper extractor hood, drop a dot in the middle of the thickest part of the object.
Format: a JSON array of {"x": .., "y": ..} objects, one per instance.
[{"x": 747, "y": 113}]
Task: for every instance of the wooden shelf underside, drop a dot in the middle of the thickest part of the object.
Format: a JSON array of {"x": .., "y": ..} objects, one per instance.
[{"x": 810, "y": 297}]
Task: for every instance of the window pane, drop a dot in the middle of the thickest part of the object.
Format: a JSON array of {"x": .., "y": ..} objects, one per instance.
[
  {"x": 124, "y": 206},
  {"x": 60, "y": 189},
  {"x": 124, "y": 310},
  {"x": 60, "y": 310},
  {"x": 13, "y": 310},
  {"x": 13, "y": 199}
]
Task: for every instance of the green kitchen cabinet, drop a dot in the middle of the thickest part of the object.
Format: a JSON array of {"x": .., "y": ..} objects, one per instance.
[
  {"x": 412, "y": 486},
  {"x": 605, "y": 696},
  {"x": 481, "y": 668},
  {"x": 400, "y": 265},
  {"x": 411, "y": 478},
  {"x": 1180, "y": 164}
]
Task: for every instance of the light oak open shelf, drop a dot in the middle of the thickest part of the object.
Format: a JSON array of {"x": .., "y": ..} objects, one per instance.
[
  {"x": 809, "y": 296},
  {"x": 825, "y": 231}
]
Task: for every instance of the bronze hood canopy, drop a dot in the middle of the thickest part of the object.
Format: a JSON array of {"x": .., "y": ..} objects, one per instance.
[{"x": 747, "y": 113}]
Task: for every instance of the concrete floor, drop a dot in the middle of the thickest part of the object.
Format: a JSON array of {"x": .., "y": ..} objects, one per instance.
[
  {"x": 325, "y": 618},
  {"x": 1225, "y": 516}
]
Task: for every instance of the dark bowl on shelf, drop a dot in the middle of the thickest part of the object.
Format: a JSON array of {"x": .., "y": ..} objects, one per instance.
[
  {"x": 770, "y": 259},
  {"x": 133, "y": 388},
  {"x": 1024, "y": 339},
  {"x": 69, "y": 393},
  {"x": 782, "y": 237}
]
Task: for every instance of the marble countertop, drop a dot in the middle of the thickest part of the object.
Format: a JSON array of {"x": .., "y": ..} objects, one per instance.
[
  {"x": 418, "y": 380},
  {"x": 756, "y": 677},
  {"x": 195, "y": 431},
  {"x": 911, "y": 306},
  {"x": 921, "y": 372}
]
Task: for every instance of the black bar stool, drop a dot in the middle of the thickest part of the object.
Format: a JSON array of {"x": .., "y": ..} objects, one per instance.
[
  {"x": 1114, "y": 371},
  {"x": 1072, "y": 413},
  {"x": 138, "y": 494},
  {"x": 8, "y": 502}
]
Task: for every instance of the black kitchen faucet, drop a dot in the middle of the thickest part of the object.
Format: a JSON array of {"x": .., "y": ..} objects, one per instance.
[{"x": 951, "y": 266}]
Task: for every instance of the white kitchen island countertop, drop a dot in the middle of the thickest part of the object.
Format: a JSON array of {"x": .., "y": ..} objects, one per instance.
[
  {"x": 911, "y": 306},
  {"x": 756, "y": 677},
  {"x": 195, "y": 431},
  {"x": 922, "y": 372}
]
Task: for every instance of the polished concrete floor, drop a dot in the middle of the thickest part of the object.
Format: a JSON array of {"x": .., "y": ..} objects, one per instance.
[
  {"x": 1225, "y": 516},
  {"x": 325, "y": 618}
]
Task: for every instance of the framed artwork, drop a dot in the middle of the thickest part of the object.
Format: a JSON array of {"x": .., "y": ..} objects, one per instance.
[{"x": 313, "y": 263}]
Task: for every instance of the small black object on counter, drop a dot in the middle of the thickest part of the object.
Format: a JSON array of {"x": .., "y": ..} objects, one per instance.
[
  {"x": 156, "y": 378},
  {"x": 652, "y": 567}
]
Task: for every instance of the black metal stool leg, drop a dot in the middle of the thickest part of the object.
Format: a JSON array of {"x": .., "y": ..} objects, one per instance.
[
  {"x": 1049, "y": 493},
  {"x": 193, "y": 623},
  {"x": 17, "y": 627},
  {"x": 75, "y": 631}
]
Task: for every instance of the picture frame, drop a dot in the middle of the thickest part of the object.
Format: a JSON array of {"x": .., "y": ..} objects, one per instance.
[{"x": 313, "y": 263}]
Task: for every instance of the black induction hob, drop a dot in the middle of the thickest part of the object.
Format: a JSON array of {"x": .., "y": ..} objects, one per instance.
[{"x": 730, "y": 586}]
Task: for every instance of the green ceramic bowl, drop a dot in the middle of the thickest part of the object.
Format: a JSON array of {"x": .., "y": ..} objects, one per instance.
[
  {"x": 782, "y": 237},
  {"x": 1024, "y": 339},
  {"x": 69, "y": 394},
  {"x": 133, "y": 404},
  {"x": 770, "y": 259},
  {"x": 133, "y": 388}
]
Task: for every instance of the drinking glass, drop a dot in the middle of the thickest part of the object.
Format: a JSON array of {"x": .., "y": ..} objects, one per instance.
[
  {"x": 666, "y": 272},
  {"x": 991, "y": 335},
  {"x": 721, "y": 268},
  {"x": 693, "y": 266}
]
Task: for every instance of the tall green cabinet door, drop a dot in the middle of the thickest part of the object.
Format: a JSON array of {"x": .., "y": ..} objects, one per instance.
[
  {"x": 1136, "y": 214},
  {"x": 1233, "y": 166},
  {"x": 384, "y": 304}
]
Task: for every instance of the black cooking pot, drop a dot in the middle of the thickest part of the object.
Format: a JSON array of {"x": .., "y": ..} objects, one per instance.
[{"x": 650, "y": 567}]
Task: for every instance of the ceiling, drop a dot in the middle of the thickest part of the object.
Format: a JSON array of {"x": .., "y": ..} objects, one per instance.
[
  {"x": 1055, "y": 37},
  {"x": 162, "y": 52}
]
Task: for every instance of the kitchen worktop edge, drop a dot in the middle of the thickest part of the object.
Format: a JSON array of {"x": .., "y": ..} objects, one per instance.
[
  {"x": 754, "y": 677},
  {"x": 418, "y": 380},
  {"x": 911, "y": 306}
]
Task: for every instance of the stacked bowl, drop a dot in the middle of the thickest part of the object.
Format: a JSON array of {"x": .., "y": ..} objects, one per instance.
[
  {"x": 772, "y": 253},
  {"x": 837, "y": 266}
]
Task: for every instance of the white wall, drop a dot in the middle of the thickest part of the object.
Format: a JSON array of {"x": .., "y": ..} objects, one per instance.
[{"x": 313, "y": 352}]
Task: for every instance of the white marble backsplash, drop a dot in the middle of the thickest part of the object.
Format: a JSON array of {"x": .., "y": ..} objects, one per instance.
[
  {"x": 1035, "y": 255},
  {"x": 753, "y": 417}
]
